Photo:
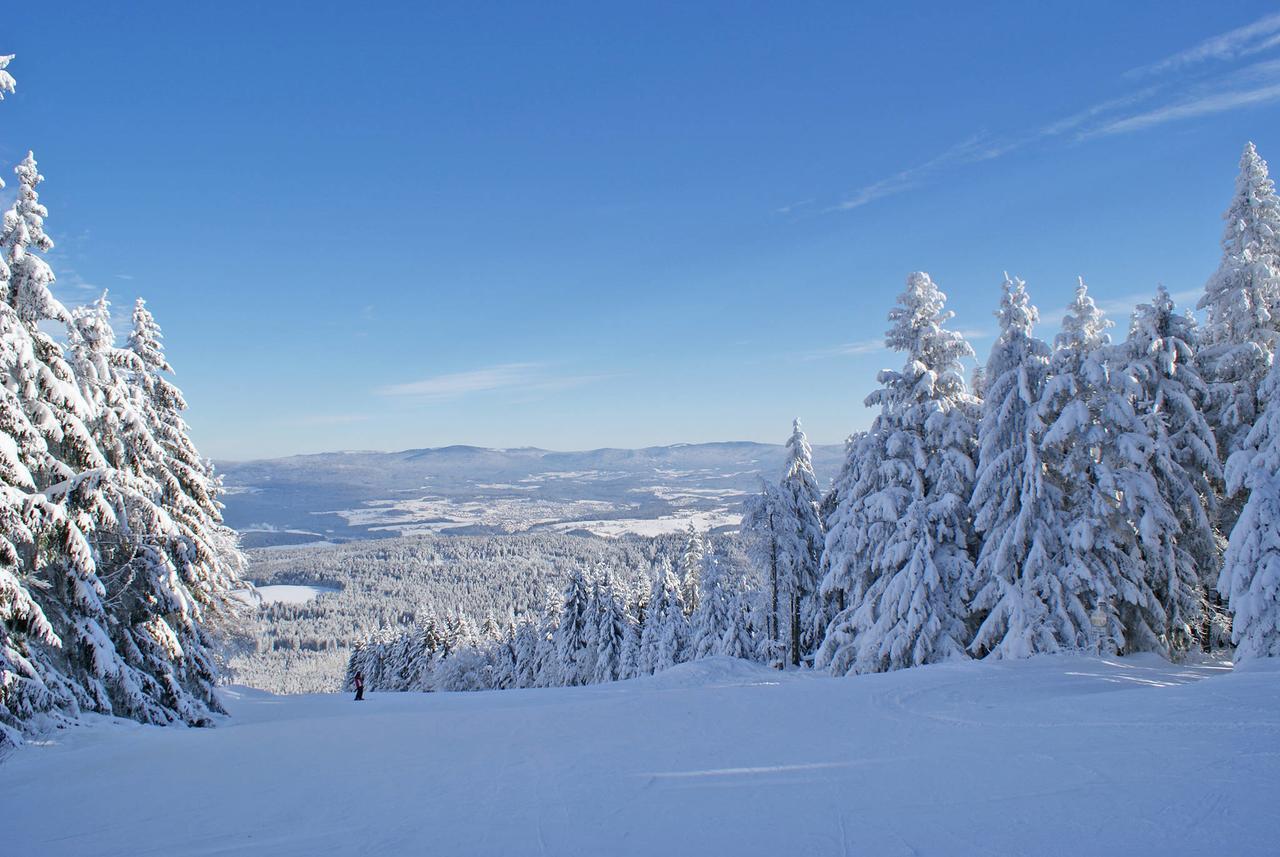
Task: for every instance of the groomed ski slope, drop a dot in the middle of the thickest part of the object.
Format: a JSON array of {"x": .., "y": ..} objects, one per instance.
[{"x": 1057, "y": 755}]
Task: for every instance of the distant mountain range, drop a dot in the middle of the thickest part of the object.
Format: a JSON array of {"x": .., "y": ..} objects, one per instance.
[{"x": 465, "y": 489}]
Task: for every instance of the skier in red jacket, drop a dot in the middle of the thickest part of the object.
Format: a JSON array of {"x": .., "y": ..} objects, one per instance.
[{"x": 359, "y": 687}]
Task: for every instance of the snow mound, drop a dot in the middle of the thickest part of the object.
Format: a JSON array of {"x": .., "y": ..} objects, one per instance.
[{"x": 718, "y": 671}]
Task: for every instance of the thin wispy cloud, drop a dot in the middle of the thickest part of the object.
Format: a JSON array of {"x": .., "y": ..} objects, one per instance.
[
  {"x": 1142, "y": 109},
  {"x": 849, "y": 349},
  {"x": 1092, "y": 114},
  {"x": 1261, "y": 35},
  {"x": 973, "y": 149},
  {"x": 1203, "y": 106},
  {"x": 795, "y": 206},
  {"x": 463, "y": 383},
  {"x": 520, "y": 377}
]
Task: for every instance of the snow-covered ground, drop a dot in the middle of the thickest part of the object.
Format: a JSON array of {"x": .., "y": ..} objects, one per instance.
[{"x": 1058, "y": 755}]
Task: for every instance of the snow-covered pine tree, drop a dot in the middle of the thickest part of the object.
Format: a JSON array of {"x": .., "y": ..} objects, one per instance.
[
  {"x": 7, "y": 83},
  {"x": 422, "y": 655},
  {"x": 154, "y": 618},
  {"x": 664, "y": 638},
  {"x": 1184, "y": 459},
  {"x": 690, "y": 566},
  {"x": 800, "y": 540},
  {"x": 1097, "y": 565},
  {"x": 1014, "y": 588},
  {"x": 760, "y": 529},
  {"x": 912, "y": 612},
  {"x": 1242, "y": 319},
  {"x": 722, "y": 624},
  {"x": 978, "y": 381},
  {"x": 23, "y": 240},
  {"x": 673, "y": 642},
  {"x": 742, "y": 639},
  {"x": 546, "y": 667},
  {"x": 82, "y": 583},
  {"x": 574, "y": 654},
  {"x": 465, "y": 669},
  {"x": 629, "y": 659},
  {"x": 525, "y": 652},
  {"x": 636, "y": 596},
  {"x": 713, "y": 615},
  {"x": 611, "y": 629},
  {"x": 1121, "y": 536},
  {"x": 783, "y": 528},
  {"x": 34, "y": 686},
  {"x": 209, "y": 558},
  {"x": 852, "y": 528},
  {"x": 500, "y": 657},
  {"x": 489, "y": 629},
  {"x": 1250, "y": 577}
]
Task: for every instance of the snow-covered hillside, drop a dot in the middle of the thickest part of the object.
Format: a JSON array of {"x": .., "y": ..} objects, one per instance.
[{"x": 1056, "y": 755}]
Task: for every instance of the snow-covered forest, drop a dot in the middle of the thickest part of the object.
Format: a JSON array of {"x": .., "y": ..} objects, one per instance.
[
  {"x": 387, "y": 586},
  {"x": 1105, "y": 493},
  {"x": 116, "y": 571}
]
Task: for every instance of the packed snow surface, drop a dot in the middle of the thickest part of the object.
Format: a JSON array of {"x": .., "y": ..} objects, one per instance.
[{"x": 1056, "y": 755}]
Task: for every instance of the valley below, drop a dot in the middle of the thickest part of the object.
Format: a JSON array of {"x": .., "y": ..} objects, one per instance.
[{"x": 463, "y": 490}]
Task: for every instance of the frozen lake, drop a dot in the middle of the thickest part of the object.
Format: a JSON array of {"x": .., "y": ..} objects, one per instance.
[{"x": 291, "y": 593}]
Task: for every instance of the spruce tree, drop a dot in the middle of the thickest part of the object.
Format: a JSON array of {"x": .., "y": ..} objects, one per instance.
[
  {"x": 800, "y": 540},
  {"x": 574, "y": 656},
  {"x": 637, "y": 603},
  {"x": 784, "y": 530},
  {"x": 35, "y": 685},
  {"x": 852, "y": 527},
  {"x": 664, "y": 640},
  {"x": 912, "y": 613},
  {"x": 712, "y": 617},
  {"x": 526, "y": 652},
  {"x": 1184, "y": 460},
  {"x": 1241, "y": 313},
  {"x": 762, "y": 529},
  {"x": 1097, "y": 564},
  {"x": 611, "y": 630},
  {"x": 722, "y": 623},
  {"x": 7, "y": 83},
  {"x": 1250, "y": 577},
  {"x": 84, "y": 581},
  {"x": 690, "y": 566},
  {"x": 1016, "y": 597},
  {"x": 208, "y": 557}
]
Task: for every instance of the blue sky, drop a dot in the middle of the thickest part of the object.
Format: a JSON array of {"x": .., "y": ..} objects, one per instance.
[{"x": 394, "y": 225}]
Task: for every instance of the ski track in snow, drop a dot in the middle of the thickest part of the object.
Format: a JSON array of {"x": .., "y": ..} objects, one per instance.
[{"x": 1053, "y": 756}]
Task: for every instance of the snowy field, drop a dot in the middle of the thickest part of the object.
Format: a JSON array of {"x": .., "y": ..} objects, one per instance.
[
  {"x": 1058, "y": 755},
  {"x": 288, "y": 593}
]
